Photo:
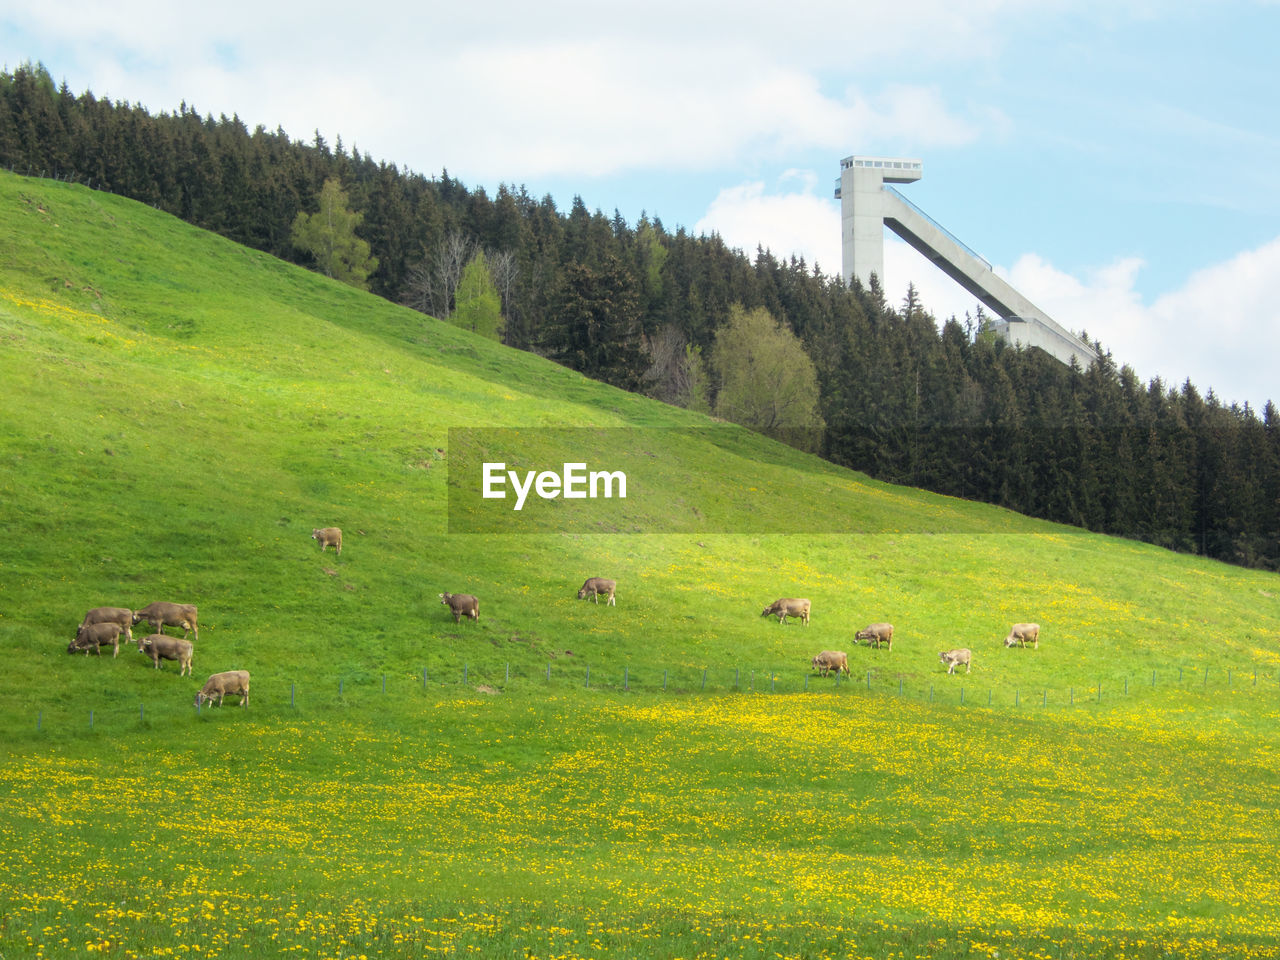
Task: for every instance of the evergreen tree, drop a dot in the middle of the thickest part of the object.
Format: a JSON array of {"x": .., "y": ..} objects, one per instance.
[{"x": 593, "y": 324}]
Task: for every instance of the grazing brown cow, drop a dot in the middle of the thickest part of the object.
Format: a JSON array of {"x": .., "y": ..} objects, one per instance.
[
  {"x": 876, "y": 634},
  {"x": 788, "y": 607},
  {"x": 95, "y": 636},
  {"x": 595, "y": 586},
  {"x": 1020, "y": 633},
  {"x": 953, "y": 659},
  {"x": 161, "y": 614},
  {"x": 829, "y": 660},
  {"x": 119, "y": 615},
  {"x": 234, "y": 682}
]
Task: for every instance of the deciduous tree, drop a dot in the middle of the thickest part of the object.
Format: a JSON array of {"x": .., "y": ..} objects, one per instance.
[
  {"x": 766, "y": 380},
  {"x": 479, "y": 308},
  {"x": 329, "y": 235}
]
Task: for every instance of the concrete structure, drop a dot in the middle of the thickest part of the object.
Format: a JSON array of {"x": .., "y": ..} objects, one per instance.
[{"x": 868, "y": 205}]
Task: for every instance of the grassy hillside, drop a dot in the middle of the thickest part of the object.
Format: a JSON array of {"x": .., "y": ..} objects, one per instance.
[{"x": 660, "y": 778}]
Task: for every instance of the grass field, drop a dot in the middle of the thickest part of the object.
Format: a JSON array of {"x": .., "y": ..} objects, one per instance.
[{"x": 661, "y": 778}]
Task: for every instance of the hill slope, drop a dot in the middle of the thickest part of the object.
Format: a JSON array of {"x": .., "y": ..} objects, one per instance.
[{"x": 179, "y": 413}]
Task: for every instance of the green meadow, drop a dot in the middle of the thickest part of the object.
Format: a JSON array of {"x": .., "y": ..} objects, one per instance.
[{"x": 663, "y": 778}]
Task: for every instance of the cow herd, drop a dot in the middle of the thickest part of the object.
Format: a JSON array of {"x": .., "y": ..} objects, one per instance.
[
  {"x": 828, "y": 661},
  {"x": 881, "y": 634},
  {"x": 104, "y": 626}
]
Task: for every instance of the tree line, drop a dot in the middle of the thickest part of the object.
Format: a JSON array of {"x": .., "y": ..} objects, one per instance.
[{"x": 765, "y": 341}]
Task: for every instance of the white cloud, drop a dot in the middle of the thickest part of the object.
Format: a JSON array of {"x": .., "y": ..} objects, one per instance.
[
  {"x": 1220, "y": 329},
  {"x": 496, "y": 93},
  {"x": 800, "y": 224}
]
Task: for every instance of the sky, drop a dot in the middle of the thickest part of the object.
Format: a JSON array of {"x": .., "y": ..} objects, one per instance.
[{"x": 1115, "y": 160}]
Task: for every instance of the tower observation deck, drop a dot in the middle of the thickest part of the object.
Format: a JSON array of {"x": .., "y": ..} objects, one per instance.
[{"x": 868, "y": 204}]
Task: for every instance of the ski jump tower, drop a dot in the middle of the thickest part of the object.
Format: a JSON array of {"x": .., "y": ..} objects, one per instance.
[{"x": 868, "y": 204}]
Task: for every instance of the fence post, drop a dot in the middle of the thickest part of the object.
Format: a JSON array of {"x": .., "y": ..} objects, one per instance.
[
  {"x": 806, "y": 683},
  {"x": 899, "y": 684},
  {"x": 1126, "y": 685},
  {"x": 588, "y": 683},
  {"x": 1099, "y": 691},
  {"x": 1045, "y": 702},
  {"x": 1205, "y": 682},
  {"x": 988, "y": 698},
  {"x": 1072, "y": 698},
  {"x": 39, "y": 720},
  {"x": 142, "y": 713},
  {"x": 1017, "y": 698},
  {"x": 424, "y": 678},
  {"x": 90, "y": 718},
  {"x": 464, "y": 673},
  {"x": 931, "y": 693},
  {"x": 341, "y": 681},
  {"x": 291, "y": 691},
  {"x": 962, "y": 696},
  {"x": 1228, "y": 677},
  {"x": 773, "y": 677},
  {"x": 626, "y": 678},
  {"x": 869, "y": 681},
  {"x": 508, "y": 677},
  {"x": 1153, "y": 678},
  {"x": 384, "y": 683}
]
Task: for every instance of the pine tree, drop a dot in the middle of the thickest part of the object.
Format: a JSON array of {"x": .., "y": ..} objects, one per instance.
[{"x": 593, "y": 324}]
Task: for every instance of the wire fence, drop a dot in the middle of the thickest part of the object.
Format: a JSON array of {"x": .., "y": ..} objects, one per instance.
[
  {"x": 72, "y": 177},
  {"x": 278, "y": 696}
]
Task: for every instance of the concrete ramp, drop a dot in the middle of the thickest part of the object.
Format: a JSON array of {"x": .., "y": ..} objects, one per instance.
[
  {"x": 868, "y": 204},
  {"x": 1021, "y": 321}
]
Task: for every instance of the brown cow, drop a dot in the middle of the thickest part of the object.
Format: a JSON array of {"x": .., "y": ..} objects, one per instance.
[
  {"x": 461, "y": 604},
  {"x": 234, "y": 682},
  {"x": 877, "y": 633},
  {"x": 953, "y": 659},
  {"x": 829, "y": 660},
  {"x": 788, "y": 607},
  {"x": 328, "y": 537},
  {"x": 161, "y": 614},
  {"x": 1020, "y": 633},
  {"x": 95, "y": 636},
  {"x": 595, "y": 586},
  {"x": 119, "y": 615},
  {"x": 159, "y": 647}
]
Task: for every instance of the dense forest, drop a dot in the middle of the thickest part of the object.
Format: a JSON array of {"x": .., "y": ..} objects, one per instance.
[{"x": 880, "y": 387}]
